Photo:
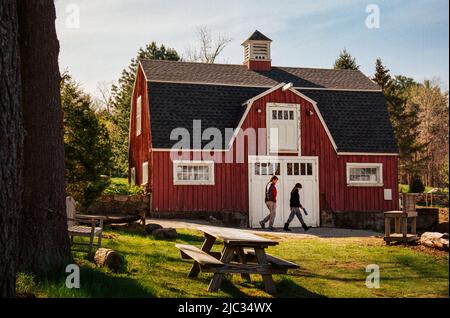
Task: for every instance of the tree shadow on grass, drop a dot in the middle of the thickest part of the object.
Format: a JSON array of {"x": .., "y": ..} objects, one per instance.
[
  {"x": 287, "y": 288},
  {"x": 95, "y": 283}
]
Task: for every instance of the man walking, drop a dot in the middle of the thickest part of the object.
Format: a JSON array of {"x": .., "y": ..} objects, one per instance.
[
  {"x": 271, "y": 203},
  {"x": 295, "y": 209}
]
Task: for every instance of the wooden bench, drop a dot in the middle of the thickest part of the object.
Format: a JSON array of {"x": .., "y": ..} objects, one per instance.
[
  {"x": 206, "y": 261},
  {"x": 273, "y": 260}
]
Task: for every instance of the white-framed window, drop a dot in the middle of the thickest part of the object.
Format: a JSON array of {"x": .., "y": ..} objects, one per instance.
[
  {"x": 145, "y": 172},
  {"x": 193, "y": 172},
  {"x": 364, "y": 174},
  {"x": 284, "y": 127},
  {"x": 133, "y": 175},
  {"x": 138, "y": 115}
]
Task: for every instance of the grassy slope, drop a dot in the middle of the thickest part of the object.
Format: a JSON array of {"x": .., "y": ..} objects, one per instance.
[{"x": 328, "y": 268}]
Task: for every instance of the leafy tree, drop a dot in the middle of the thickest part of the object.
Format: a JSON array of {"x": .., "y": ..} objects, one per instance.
[
  {"x": 416, "y": 185},
  {"x": 433, "y": 128},
  {"x": 404, "y": 119},
  {"x": 121, "y": 101},
  {"x": 86, "y": 143},
  {"x": 345, "y": 61}
]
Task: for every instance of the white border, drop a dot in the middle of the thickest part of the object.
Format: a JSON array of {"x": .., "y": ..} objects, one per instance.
[
  {"x": 208, "y": 163},
  {"x": 268, "y": 126},
  {"x": 350, "y": 165},
  {"x": 144, "y": 169}
]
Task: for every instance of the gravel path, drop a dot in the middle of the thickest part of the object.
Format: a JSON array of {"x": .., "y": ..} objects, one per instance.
[{"x": 321, "y": 232}]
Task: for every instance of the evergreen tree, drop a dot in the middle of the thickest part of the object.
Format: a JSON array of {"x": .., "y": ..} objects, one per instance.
[
  {"x": 404, "y": 119},
  {"x": 382, "y": 76},
  {"x": 86, "y": 144},
  {"x": 121, "y": 101},
  {"x": 345, "y": 62}
]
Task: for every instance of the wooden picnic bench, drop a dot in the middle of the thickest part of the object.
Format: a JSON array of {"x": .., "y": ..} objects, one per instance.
[{"x": 243, "y": 253}]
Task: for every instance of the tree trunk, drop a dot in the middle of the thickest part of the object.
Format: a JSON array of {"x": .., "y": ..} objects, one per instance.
[
  {"x": 43, "y": 240},
  {"x": 11, "y": 146}
]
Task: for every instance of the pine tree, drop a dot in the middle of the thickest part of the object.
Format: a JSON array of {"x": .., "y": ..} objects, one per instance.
[
  {"x": 86, "y": 143},
  {"x": 382, "y": 76},
  {"x": 405, "y": 123},
  {"x": 345, "y": 62},
  {"x": 121, "y": 101}
]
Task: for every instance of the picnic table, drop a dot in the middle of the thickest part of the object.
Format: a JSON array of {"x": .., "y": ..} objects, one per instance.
[{"x": 243, "y": 253}]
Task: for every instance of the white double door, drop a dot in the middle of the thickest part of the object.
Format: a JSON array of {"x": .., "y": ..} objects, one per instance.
[{"x": 289, "y": 170}]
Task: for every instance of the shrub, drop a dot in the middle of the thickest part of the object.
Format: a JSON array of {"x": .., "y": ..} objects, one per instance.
[{"x": 416, "y": 185}]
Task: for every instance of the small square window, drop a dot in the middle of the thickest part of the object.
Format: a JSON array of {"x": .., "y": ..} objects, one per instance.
[
  {"x": 286, "y": 115},
  {"x": 274, "y": 114},
  {"x": 280, "y": 114}
]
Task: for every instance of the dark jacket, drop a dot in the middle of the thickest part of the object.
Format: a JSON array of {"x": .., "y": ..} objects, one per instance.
[
  {"x": 295, "y": 199},
  {"x": 271, "y": 192}
]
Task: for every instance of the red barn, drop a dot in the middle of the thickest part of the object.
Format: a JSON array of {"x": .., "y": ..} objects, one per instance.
[{"x": 206, "y": 138}]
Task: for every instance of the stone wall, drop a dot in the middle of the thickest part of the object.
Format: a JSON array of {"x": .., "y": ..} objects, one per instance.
[
  {"x": 427, "y": 218},
  {"x": 118, "y": 205}
]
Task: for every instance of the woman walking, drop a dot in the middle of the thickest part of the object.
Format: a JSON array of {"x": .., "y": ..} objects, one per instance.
[{"x": 295, "y": 209}]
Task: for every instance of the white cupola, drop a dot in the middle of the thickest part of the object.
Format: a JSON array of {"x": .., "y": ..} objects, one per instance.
[{"x": 257, "y": 52}]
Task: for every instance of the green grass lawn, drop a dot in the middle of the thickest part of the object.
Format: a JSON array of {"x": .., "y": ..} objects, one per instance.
[{"x": 328, "y": 268}]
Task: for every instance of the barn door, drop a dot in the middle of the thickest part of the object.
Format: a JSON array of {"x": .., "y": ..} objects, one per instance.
[
  {"x": 303, "y": 172},
  {"x": 290, "y": 171}
]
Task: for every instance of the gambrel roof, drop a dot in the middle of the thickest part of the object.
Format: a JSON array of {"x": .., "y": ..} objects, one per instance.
[
  {"x": 352, "y": 106},
  {"x": 238, "y": 75}
]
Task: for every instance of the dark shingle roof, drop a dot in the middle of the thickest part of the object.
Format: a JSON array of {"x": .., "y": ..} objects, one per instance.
[
  {"x": 229, "y": 74},
  {"x": 258, "y": 36},
  {"x": 358, "y": 121},
  {"x": 178, "y": 105}
]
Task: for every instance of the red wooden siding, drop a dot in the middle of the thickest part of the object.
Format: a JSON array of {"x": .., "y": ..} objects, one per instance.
[
  {"x": 140, "y": 146},
  {"x": 230, "y": 192}
]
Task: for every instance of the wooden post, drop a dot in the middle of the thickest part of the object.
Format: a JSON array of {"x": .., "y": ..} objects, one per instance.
[
  {"x": 216, "y": 281},
  {"x": 206, "y": 247},
  {"x": 269, "y": 285},
  {"x": 243, "y": 260}
]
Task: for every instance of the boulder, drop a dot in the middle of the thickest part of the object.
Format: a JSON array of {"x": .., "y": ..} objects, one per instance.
[
  {"x": 214, "y": 221},
  {"x": 165, "y": 233},
  {"x": 435, "y": 240},
  {"x": 109, "y": 258},
  {"x": 170, "y": 233},
  {"x": 150, "y": 228}
]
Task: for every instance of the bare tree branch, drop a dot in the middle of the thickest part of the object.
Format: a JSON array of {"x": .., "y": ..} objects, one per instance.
[{"x": 208, "y": 49}]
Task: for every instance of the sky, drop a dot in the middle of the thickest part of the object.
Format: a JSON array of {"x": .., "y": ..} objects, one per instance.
[{"x": 98, "y": 38}]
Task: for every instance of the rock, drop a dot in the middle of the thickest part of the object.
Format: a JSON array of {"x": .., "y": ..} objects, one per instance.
[
  {"x": 431, "y": 236},
  {"x": 435, "y": 240},
  {"x": 170, "y": 233},
  {"x": 110, "y": 259},
  {"x": 214, "y": 221},
  {"x": 150, "y": 228},
  {"x": 158, "y": 234},
  {"x": 165, "y": 233}
]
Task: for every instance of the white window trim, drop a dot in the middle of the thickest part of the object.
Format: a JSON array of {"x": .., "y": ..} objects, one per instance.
[
  {"x": 379, "y": 166},
  {"x": 144, "y": 169},
  {"x": 208, "y": 163},
  {"x": 138, "y": 116},
  {"x": 297, "y": 109},
  {"x": 133, "y": 176}
]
